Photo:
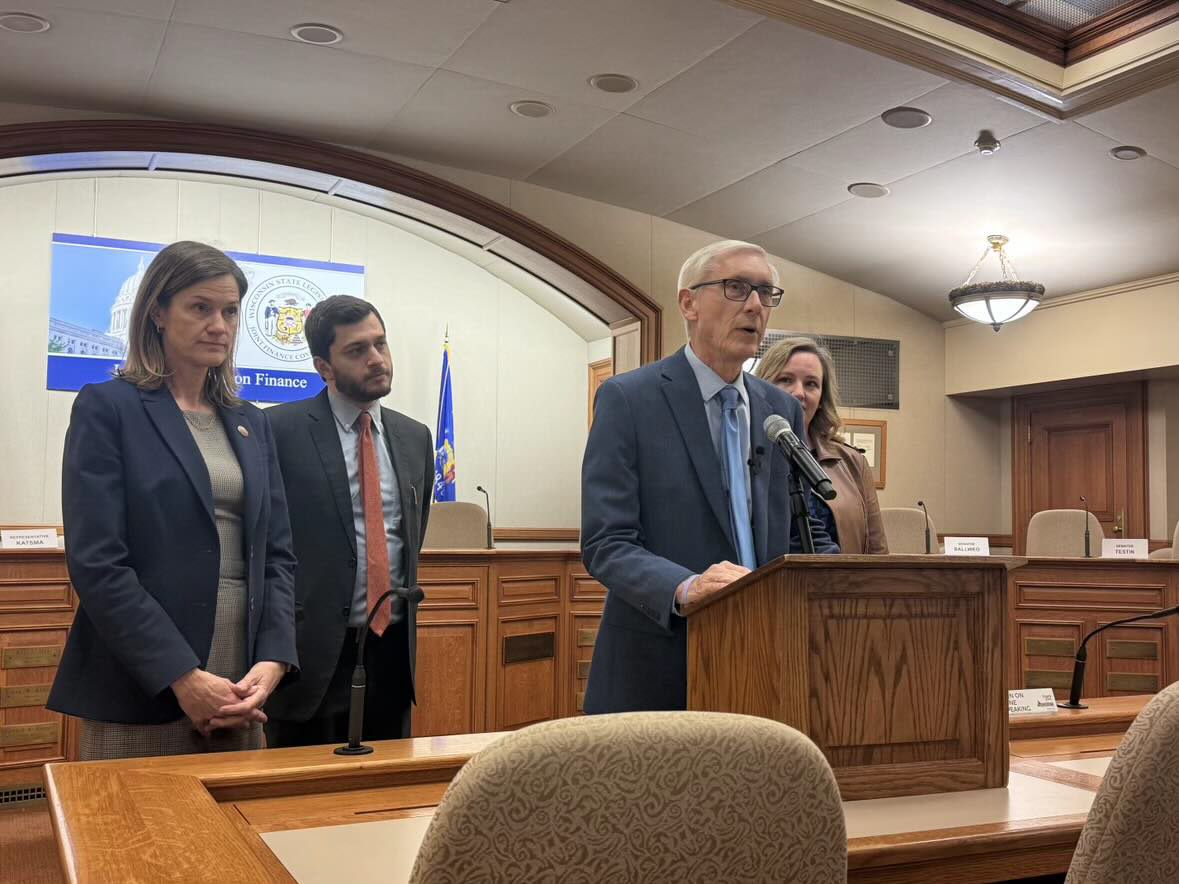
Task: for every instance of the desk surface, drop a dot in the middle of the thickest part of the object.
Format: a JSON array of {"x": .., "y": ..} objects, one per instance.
[{"x": 135, "y": 820}]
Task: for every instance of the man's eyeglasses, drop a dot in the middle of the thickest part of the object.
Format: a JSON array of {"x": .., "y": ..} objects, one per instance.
[{"x": 739, "y": 289}]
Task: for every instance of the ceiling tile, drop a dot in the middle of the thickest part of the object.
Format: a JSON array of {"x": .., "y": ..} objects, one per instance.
[
  {"x": 780, "y": 89},
  {"x": 1148, "y": 121},
  {"x": 640, "y": 165},
  {"x": 157, "y": 9},
  {"x": 554, "y": 46},
  {"x": 876, "y": 152},
  {"x": 87, "y": 59},
  {"x": 774, "y": 196},
  {"x": 423, "y": 32},
  {"x": 463, "y": 121},
  {"x": 1077, "y": 220},
  {"x": 263, "y": 83}
]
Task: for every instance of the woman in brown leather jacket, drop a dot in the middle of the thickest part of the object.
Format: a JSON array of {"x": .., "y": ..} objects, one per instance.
[{"x": 804, "y": 370}]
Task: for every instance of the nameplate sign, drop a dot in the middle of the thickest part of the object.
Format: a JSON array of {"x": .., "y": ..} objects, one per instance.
[
  {"x": 968, "y": 546},
  {"x": 1125, "y": 549},
  {"x": 1024, "y": 702},
  {"x": 29, "y": 734},
  {"x": 28, "y": 538},
  {"x": 23, "y": 695},
  {"x": 30, "y": 657}
]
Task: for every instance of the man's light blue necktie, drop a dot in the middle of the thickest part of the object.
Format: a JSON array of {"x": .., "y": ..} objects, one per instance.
[{"x": 734, "y": 466}]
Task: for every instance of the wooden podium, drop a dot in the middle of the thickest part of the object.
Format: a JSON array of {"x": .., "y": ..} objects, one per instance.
[{"x": 894, "y": 665}]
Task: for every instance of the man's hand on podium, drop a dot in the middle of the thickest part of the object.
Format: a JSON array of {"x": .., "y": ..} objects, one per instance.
[{"x": 716, "y": 578}]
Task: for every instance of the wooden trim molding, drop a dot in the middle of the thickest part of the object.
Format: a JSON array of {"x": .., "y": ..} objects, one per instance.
[
  {"x": 97, "y": 136},
  {"x": 536, "y": 535},
  {"x": 1062, "y": 46},
  {"x": 1003, "y": 23}
]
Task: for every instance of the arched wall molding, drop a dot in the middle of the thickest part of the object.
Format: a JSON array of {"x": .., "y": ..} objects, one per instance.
[{"x": 516, "y": 238}]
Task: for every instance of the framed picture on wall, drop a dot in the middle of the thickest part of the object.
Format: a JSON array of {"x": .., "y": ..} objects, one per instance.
[{"x": 871, "y": 437}]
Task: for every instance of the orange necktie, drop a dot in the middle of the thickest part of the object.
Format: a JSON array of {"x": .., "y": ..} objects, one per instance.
[{"x": 376, "y": 550}]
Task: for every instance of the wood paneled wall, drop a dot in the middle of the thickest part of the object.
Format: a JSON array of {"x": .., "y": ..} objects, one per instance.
[{"x": 504, "y": 640}]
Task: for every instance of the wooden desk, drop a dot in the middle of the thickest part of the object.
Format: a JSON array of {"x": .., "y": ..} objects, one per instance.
[
  {"x": 210, "y": 818},
  {"x": 1053, "y": 603},
  {"x": 505, "y": 639}
]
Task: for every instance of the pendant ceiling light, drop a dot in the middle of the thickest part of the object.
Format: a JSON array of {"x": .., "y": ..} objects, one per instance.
[{"x": 996, "y": 303}]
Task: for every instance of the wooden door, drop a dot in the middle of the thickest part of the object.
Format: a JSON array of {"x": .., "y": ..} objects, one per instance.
[
  {"x": 598, "y": 372},
  {"x": 1089, "y": 441}
]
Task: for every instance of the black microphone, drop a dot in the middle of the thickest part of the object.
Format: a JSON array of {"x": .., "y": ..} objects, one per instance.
[
  {"x": 1074, "y": 694},
  {"x": 928, "y": 539},
  {"x": 1085, "y": 504},
  {"x": 755, "y": 461},
  {"x": 487, "y": 497},
  {"x": 359, "y": 677},
  {"x": 779, "y": 432}
]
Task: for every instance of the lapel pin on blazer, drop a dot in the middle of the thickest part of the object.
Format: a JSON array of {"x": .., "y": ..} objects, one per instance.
[{"x": 243, "y": 431}]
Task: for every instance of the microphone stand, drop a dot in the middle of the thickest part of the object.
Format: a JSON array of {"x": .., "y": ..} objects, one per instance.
[
  {"x": 1074, "y": 694},
  {"x": 799, "y": 512},
  {"x": 359, "y": 676},
  {"x": 928, "y": 543},
  {"x": 487, "y": 497},
  {"x": 1085, "y": 504}
]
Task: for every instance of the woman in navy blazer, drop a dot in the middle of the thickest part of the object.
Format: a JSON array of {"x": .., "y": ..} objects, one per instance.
[{"x": 176, "y": 531}]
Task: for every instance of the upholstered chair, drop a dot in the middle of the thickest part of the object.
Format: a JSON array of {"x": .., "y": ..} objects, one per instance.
[
  {"x": 639, "y": 797},
  {"x": 1061, "y": 534},
  {"x": 456, "y": 526},
  {"x": 904, "y": 526},
  {"x": 1131, "y": 835}
]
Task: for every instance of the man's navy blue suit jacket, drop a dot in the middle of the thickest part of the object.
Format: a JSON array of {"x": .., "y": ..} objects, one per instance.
[{"x": 654, "y": 512}]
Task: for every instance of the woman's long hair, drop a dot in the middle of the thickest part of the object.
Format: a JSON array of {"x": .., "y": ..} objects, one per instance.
[
  {"x": 174, "y": 269},
  {"x": 826, "y": 422}
]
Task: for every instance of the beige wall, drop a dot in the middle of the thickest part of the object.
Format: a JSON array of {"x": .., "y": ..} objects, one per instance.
[
  {"x": 519, "y": 374},
  {"x": 1094, "y": 336},
  {"x": 1120, "y": 329}
]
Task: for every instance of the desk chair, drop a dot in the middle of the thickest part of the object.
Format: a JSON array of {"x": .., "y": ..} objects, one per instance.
[
  {"x": 1131, "y": 835},
  {"x": 456, "y": 526},
  {"x": 1168, "y": 552},
  {"x": 1061, "y": 534},
  {"x": 694, "y": 797},
  {"x": 904, "y": 527}
]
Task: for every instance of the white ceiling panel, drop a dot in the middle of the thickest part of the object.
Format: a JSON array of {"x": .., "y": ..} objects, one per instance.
[
  {"x": 463, "y": 121},
  {"x": 876, "y": 152},
  {"x": 640, "y": 165},
  {"x": 157, "y": 9},
  {"x": 423, "y": 32},
  {"x": 87, "y": 59},
  {"x": 766, "y": 199},
  {"x": 1150, "y": 121},
  {"x": 554, "y": 46},
  {"x": 244, "y": 79},
  {"x": 1077, "y": 220},
  {"x": 780, "y": 89}
]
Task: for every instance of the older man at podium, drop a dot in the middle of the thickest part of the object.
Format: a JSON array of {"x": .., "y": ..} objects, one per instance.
[{"x": 681, "y": 491}]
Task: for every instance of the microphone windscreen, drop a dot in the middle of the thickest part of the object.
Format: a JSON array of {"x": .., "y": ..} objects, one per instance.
[{"x": 775, "y": 425}]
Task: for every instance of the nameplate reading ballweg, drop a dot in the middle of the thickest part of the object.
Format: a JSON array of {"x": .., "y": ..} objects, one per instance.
[
  {"x": 28, "y": 538},
  {"x": 1026, "y": 701},
  {"x": 968, "y": 546},
  {"x": 1124, "y": 549}
]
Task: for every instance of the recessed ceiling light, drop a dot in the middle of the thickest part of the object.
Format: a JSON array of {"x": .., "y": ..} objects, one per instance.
[
  {"x": 614, "y": 83},
  {"x": 317, "y": 34},
  {"x": 532, "y": 109},
  {"x": 906, "y": 117},
  {"x": 868, "y": 190},
  {"x": 24, "y": 23},
  {"x": 1127, "y": 152}
]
